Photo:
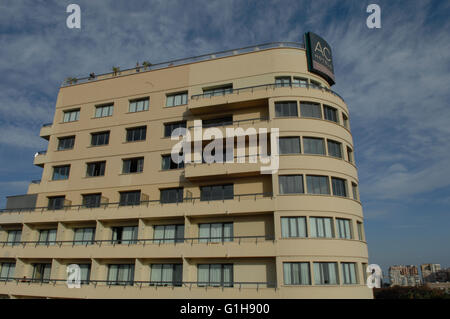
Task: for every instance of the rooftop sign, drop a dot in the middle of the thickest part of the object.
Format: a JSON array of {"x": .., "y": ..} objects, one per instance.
[{"x": 320, "y": 60}]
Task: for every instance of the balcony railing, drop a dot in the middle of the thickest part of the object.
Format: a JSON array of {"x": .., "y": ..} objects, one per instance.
[
  {"x": 186, "y": 200},
  {"x": 204, "y": 57},
  {"x": 266, "y": 87},
  {"x": 234, "y": 123}
]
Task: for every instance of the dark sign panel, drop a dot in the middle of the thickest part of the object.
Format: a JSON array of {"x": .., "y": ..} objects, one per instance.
[{"x": 320, "y": 60}]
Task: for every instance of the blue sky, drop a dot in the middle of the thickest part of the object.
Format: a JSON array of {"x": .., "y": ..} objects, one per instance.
[{"x": 394, "y": 79}]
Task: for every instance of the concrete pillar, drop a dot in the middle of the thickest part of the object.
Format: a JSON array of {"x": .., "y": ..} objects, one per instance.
[{"x": 29, "y": 233}]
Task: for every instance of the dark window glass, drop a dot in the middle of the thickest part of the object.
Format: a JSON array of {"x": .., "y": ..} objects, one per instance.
[
  {"x": 313, "y": 145},
  {"x": 317, "y": 184},
  {"x": 300, "y": 82},
  {"x": 133, "y": 165},
  {"x": 41, "y": 272},
  {"x": 225, "y": 89},
  {"x": 130, "y": 198},
  {"x": 56, "y": 202},
  {"x": 61, "y": 172},
  {"x": 14, "y": 237},
  {"x": 121, "y": 274},
  {"x": 221, "y": 121},
  {"x": 125, "y": 235},
  {"x": 168, "y": 234},
  {"x": 172, "y": 195},
  {"x": 101, "y": 138},
  {"x": 291, "y": 184},
  {"x": 286, "y": 109},
  {"x": 66, "y": 143},
  {"x": 166, "y": 275},
  {"x": 92, "y": 200},
  {"x": 309, "y": 109},
  {"x": 84, "y": 236},
  {"x": 170, "y": 127},
  {"x": 350, "y": 155},
  {"x": 289, "y": 145},
  {"x": 136, "y": 133},
  {"x": 330, "y": 113},
  {"x": 334, "y": 148},
  {"x": 339, "y": 186},
  {"x": 217, "y": 192},
  {"x": 96, "y": 169},
  {"x": 283, "y": 81},
  {"x": 167, "y": 163}
]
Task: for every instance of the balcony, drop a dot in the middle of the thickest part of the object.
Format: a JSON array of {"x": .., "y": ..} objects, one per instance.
[
  {"x": 40, "y": 158},
  {"x": 46, "y": 131}
]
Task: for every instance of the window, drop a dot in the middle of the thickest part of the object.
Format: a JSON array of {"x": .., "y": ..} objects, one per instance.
[
  {"x": 321, "y": 227},
  {"x": 124, "y": 235},
  {"x": 170, "y": 127},
  {"x": 104, "y": 110},
  {"x": 168, "y": 163},
  {"x": 350, "y": 155},
  {"x": 330, "y": 113},
  {"x": 289, "y": 145},
  {"x": 96, "y": 169},
  {"x": 85, "y": 273},
  {"x": 360, "y": 230},
  {"x": 325, "y": 274},
  {"x": 293, "y": 227},
  {"x": 14, "y": 237},
  {"x": 345, "y": 120},
  {"x": 296, "y": 274},
  {"x": 168, "y": 233},
  {"x": 222, "y": 90},
  {"x": 291, "y": 184},
  {"x": 171, "y": 195},
  {"x": 130, "y": 198},
  {"x": 71, "y": 116},
  {"x": 286, "y": 109},
  {"x": 283, "y": 81},
  {"x": 315, "y": 84},
  {"x": 317, "y": 184},
  {"x": 355, "y": 191},
  {"x": 300, "y": 82},
  {"x": 136, "y": 133},
  {"x": 56, "y": 202},
  {"x": 92, "y": 200},
  {"x": 166, "y": 275},
  {"x": 313, "y": 145},
  {"x": 120, "y": 274},
  {"x": 218, "y": 275},
  {"x": 339, "y": 187},
  {"x": 84, "y": 236},
  {"x": 221, "y": 121},
  {"x": 61, "y": 172},
  {"x": 41, "y": 272},
  {"x": 334, "y": 148},
  {"x": 349, "y": 273},
  {"x": 344, "y": 229},
  {"x": 101, "y": 138},
  {"x": 47, "y": 237},
  {"x": 309, "y": 109},
  {"x": 364, "y": 271},
  {"x": 66, "y": 143},
  {"x": 177, "y": 99},
  {"x": 133, "y": 165},
  {"x": 217, "y": 192},
  {"x": 139, "y": 105},
  {"x": 7, "y": 271},
  {"x": 215, "y": 232}
]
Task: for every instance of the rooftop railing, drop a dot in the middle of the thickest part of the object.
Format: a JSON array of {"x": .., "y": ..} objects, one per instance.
[
  {"x": 171, "y": 63},
  {"x": 47, "y": 124}
]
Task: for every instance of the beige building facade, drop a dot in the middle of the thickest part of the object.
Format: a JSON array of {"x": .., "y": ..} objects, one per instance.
[{"x": 141, "y": 226}]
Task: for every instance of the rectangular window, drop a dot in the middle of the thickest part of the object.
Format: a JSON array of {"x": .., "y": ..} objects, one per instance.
[
  {"x": 321, "y": 227},
  {"x": 222, "y": 90},
  {"x": 171, "y": 195},
  {"x": 166, "y": 275},
  {"x": 310, "y": 109},
  {"x": 325, "y": 274},
  {"x": 345, "y": 120},
  {"x": 286, "y": 109},
  {"x": 344, "y": 229},
  {"x": 96, "y": 169},
  {"x": 177, "y": 99},
  {"x": 136, "y": 134},
  {"x": 296, "y": 274},
  {"x": 317, "y": 184},
  {"x": 104, "y": 110},
  {"x": 47, "y": 237},
  {"x": 168, "y": 234},
  {"x": 291, "y": 184},
  {"x": 66, "y": 143},
  {"x": 41, "y": 272},
  {"x": 221, "y": 121},
  {"x": 14, "y": 237},
  {"x": 360, "y": 230},
  {"x": 350, "y": 155},
  {"x": 339, "y": 186},
  {"x": 7, "y": 271},
  {"x": 300, "y": 82},
  {"x": 349, "y": 274},
  {"x": 122, "y": 274},
  {"x": 170, "y": 127},
  {"x": 364, "y": 271},
  {"x": 85, "y": 273},
  {"x": 283, "y": 81},
  {"x": 133, "y": 165},
  {"x": 101, "y": 138},
  {"x": 216, "y": 275},
  {"x": 56, "y": 202},
  {"x": 61, "y": 172},
  {"x": 130, "y": 198},
  {"x": 124, "y": 235},
  {"x": 71, "y": 116},
  {"x": 330, "y": 113},
  {"x": 313, "y": 145},
  {"x": 289, "y": 145},
  {"x": 293, "y": 227},
  {"x": 139, "y": 105},
  {"x": 315, "y": 84},
  {"x": 355, "y": 191},
  {"x": 215, "y": 232},
  {"x": 84, "y": 236},
  {"x": 217, "y": 192},
  {"x": 92, "y": 200},
  {"x": 334, "y": 148},
  {"x": 168, "y": 164}
]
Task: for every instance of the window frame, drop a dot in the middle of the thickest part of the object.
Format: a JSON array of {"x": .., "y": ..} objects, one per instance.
[
  {"x": 287, "y": 192},
  {"x": 184, "y": 98},
  {"x": 62, "y": 141},
  {"x": 76, "y": 111},
  {"x": 136, "y": 134},
  {"x": 96, "y": 137},
  {"x": 109, "y": 107},
  {"x": 56, "y": 172}
]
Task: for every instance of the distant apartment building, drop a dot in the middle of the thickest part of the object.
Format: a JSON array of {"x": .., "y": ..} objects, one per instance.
[
  {"x": 405, "y": 276},
  {"x": 429, "y": 272}
]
